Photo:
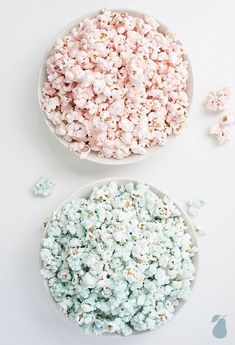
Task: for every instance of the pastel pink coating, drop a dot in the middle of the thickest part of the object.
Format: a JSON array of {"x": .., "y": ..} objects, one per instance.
[
  {"x": 228, "y": 119},
  {"x": 218, "y": 100},
  {"x": 220, "y": 133},
  {"x": 116, "y": 85}
]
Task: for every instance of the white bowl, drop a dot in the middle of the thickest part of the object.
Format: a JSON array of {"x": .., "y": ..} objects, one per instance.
[
  {"x": 85, "y": 191},
  {"x": 93, "y": 156}
]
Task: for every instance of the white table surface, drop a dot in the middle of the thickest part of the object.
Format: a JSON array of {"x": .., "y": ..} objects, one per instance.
[{"x": 193, "y": 166}]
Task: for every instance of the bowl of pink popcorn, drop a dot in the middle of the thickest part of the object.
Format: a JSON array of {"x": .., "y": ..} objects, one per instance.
[{"x": 114, "y": 86}]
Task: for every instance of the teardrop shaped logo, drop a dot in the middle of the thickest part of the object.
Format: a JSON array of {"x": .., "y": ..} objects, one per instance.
[{"x": 219, "y": 330}]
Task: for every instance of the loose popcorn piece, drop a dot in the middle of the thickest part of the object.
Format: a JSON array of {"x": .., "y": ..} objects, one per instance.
[
  {"x": 218, "y": 100},
  {"x": 43, "y": 187},
  {"x": 220, "y": 130},
  {"x": 194, "y": 206},
  {"x": 116, "y": 86},
  {"x": 227, "y": 119},
  {"x": 198, "y": 230},
  {"x": 220, "y": 133},
  {"x": 120, "y": 260}
]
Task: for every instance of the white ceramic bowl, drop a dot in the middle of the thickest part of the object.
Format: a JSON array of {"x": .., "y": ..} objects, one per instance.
[
  {"x": 85, "y": 191},
  {"x": 94, "y": 156}
]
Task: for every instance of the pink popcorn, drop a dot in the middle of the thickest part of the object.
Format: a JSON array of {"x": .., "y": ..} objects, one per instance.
[
  {"x": 228, "y": 119},
  {"x": 218, "y": 100},
  {"x": 220, "y": 133},
  {"x": 220, "y": 130},
  {"x": 116, "y": 85}
]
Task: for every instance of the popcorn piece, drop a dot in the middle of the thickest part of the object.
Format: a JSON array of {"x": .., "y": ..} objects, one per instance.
[
  {"x": 228, "y": 119},
  {"x": 198, "y": 230},
  {"x": 220, "y": 130},
  {"x": 218, "y": 100},
  {"x": 119, "y": 261},
  {"x": 194, "y": 206},
  {"x": 107, "y": 77},
  {"x": 221, "y": 133},
  {"x": 43, "y": 187}
]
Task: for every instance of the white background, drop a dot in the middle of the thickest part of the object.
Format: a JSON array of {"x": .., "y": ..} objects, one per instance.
[{"x": 192, "y": 166}]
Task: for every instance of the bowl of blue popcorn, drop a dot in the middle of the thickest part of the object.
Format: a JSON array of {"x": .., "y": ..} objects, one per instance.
[{"x": 119, "y": 257}]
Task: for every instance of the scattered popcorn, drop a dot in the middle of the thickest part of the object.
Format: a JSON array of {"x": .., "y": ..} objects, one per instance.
[
  {"x": 194, "y": 206},
  {"x": 228, "y": 119},
  {"x": 218, "y": 100},
  {"x": 220, "y": 130},
  {"x": 116, "y": 85},
  {"x": 119, "y": 261},
  {"x": 220, "y": 133},
  {"x": 43, "y": 187},
  {"x": 198, "y": 230}
]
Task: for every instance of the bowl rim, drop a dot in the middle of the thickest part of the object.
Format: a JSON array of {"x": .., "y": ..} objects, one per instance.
[
  {"x": 93, "y": 156},
  {"x": 84, "y": 192}
]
